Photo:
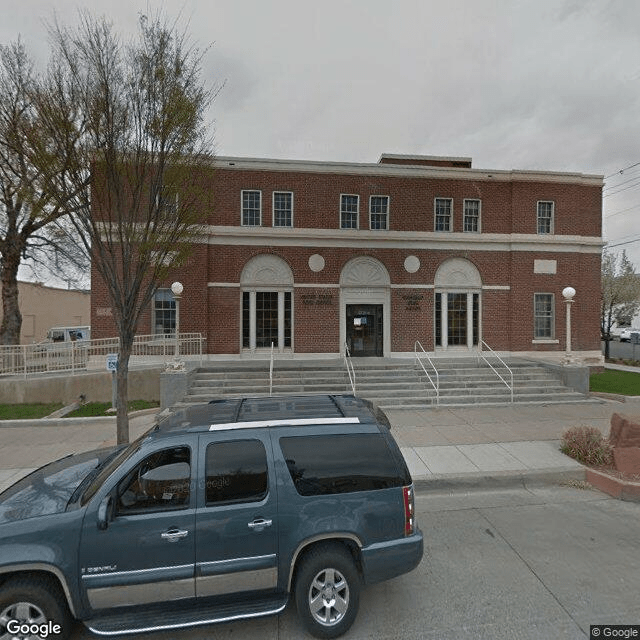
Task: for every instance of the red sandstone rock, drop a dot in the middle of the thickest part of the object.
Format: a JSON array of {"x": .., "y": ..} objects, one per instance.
[
  {"x": 625, "y": 431},
  {"x": 627, "y": 460}
]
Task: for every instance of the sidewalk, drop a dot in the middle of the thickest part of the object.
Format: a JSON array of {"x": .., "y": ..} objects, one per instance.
[
  {"x": 494, "y": 446},
  {"x": 444, "y": 448}
]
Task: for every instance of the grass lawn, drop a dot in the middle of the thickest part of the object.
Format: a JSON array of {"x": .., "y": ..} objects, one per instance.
[
  {"x": 27, "y": 411},
  {"x": 91, "y": 409},
  {"x": 95, "y": 409},
  {"x": 625, "y": 383}
]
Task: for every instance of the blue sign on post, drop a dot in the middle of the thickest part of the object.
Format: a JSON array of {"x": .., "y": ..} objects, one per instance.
[
  {"x": 112, "y": 365},
  {"x": 112, "y": 361}
]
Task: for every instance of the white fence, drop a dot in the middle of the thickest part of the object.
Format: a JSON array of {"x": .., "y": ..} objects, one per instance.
[{"x": 91, "y": 355}]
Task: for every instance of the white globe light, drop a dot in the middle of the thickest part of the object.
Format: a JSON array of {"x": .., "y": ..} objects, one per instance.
[
  {"x": 177, "y": 288},
  {"x": 568, "y": 293}
]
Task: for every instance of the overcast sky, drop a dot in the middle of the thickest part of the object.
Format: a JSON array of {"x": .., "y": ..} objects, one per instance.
[{"x": 514, "y": 84}]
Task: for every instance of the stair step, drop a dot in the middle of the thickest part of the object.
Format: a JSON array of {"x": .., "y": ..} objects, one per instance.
[{"x": 389, "y": 383}]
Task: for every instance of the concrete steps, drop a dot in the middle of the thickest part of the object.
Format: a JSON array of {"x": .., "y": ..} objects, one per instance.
[{"x": 390, "y": 383}]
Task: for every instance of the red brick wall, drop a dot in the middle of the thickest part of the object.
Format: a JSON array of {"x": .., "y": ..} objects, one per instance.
[{"x": 508, "y": 207}]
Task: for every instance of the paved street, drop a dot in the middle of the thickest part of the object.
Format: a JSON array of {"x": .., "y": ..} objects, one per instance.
[{"x": 542, "y": 562}]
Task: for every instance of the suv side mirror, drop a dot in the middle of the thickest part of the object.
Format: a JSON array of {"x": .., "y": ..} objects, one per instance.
[{"x": 105, "y": 513}]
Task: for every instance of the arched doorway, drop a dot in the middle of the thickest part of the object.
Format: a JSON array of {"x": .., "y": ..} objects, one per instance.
[
  {"x": 457, "y": 308},
  {"x": 365, "y": 303},
  {"x": 266, "y": 304}
]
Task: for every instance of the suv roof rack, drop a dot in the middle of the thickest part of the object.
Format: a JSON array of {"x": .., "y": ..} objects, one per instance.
[
  {"x": 293, "y": 422},
  {"x": 281, "y": 410}
]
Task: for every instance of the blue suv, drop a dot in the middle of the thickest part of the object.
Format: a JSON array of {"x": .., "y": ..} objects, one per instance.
[{"x": 220, "y": 512}]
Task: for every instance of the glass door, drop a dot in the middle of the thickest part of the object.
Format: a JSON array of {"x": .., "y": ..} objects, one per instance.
[{"x": 364, "y": 330}]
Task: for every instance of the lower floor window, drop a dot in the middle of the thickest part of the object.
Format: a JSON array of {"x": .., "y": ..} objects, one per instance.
[
  {"x": 266, "y": 319},
  {"x": 164, "y": 312},
  {"x": 543, "y": 316}
]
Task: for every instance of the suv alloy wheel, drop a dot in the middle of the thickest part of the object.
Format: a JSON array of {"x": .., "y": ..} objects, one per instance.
[{"x": 327, "y": 591}]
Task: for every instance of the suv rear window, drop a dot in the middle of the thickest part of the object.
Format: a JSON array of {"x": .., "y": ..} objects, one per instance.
[{"x": 323, "y": 465}]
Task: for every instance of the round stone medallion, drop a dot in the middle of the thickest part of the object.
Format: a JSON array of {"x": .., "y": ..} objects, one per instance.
[
  {"x": 316, "y": 262},
  {"x": 411, "y": 264}
]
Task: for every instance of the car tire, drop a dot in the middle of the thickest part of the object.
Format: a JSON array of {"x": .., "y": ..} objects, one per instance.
[
  {"x": 327, "y": 591},
  {"x": 33, "y": 601}
]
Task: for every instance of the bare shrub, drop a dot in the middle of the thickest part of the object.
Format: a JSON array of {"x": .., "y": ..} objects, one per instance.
[{"x": 587, "y": 445}]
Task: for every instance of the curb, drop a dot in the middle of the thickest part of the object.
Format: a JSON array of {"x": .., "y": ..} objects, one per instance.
[
  {"x": 615, "y": 487},
  {"x": 497, "y": 480}
]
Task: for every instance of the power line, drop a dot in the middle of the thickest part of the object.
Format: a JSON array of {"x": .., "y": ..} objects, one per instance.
[
  {"x": 615, "y": 193},
  {"x": 616, "y": 213},
  {"x": 619, "y": 244},
  {"x": 615, "y": 186},
  {"x": 622, "y": 170}
]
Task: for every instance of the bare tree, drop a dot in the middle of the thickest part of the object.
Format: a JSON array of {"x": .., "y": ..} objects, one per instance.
[
  {"x": 620, "y": 292},
  {"x": 131, "y": 143},
  {"x": 34, "y": 225}
]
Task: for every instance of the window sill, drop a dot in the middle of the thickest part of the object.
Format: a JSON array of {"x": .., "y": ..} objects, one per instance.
[{"x": 545, "y": 341}]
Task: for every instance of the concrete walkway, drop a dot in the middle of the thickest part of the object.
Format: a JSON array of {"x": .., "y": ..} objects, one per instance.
[
  {"x": 445, "y": 447},
  {"x": 496, "y": 445}
]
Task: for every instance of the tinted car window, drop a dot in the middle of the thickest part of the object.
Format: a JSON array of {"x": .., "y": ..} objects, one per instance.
[
  {"x": 161, "y": 481},
  {"x": 321, "y": 465},
  {"x": 236, "y": 472}
]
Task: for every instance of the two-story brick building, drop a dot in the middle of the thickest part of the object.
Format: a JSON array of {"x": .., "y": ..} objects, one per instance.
[{"x": 313, "y": 256}]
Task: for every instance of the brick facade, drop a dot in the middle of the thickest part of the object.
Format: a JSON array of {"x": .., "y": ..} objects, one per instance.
[{"x": 299, "y": 283}]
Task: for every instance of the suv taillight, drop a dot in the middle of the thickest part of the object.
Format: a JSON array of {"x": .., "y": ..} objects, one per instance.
[{"x": 409, "y": 517}]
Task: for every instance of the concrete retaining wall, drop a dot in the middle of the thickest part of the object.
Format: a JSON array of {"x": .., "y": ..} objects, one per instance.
[{"x": 144, "y": 384}]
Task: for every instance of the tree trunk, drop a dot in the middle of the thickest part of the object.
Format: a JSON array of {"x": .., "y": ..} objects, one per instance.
[
  {"x": 607, "y": 340},
  {"x": 122, "y": 391},
  {"x": 11, "y": 316}
]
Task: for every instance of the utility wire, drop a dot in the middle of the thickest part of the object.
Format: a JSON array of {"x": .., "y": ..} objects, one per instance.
[
  {"x": 619, "y": 244},
  {"x": 615, "y": 193},
  {"x": 622, "y": 170},
  {"x": 615, "y": 186},
  {"x": 617, "y": 213}
]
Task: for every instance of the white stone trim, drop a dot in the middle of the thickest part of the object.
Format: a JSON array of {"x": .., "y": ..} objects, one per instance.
[
  {"x": 374, "y": 169},
  {"x": 333, "y": 285},
  {"x": 407, "y": 240}
]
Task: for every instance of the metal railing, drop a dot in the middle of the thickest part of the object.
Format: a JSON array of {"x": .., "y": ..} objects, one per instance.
[
  {"x": 90, "y": 355},
  {"x": 271, "y": 372},
  {"x": 350, "y": 370},
  {"x": 436, "y": 384},
  {"x": 509, "y": 384}
]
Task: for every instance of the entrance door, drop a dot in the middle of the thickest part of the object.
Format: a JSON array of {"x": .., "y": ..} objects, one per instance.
[
  {"x": 457, "y": 320},
  {"x": 364, "y": 330}
]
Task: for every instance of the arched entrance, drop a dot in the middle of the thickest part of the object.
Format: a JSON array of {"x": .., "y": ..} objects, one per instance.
[
  {"x": 457, "y": 308},
  {"x": 365, "y": 303},
  {"x": 266, "y": 304}
]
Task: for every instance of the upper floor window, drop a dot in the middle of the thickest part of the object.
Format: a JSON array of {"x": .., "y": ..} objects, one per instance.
[
  {"x": 349, "y": 207},
  {"x": 545, "y": 217},
  {"x": 443, "y": 209},
  {"x": 282, "y": 209},
  {"x": 471, "y": 216},
  {"x": 379, "y": 212},
  {"x": 251, "y": 208},
  {"x": 543, "y": 316}
]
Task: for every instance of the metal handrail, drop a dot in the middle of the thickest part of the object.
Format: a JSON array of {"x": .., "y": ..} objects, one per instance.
[
  {"x": 88, "y": 355},
  {"x": 271, "y": 373},
  {"x": 436, "y": 384},
  {"x": 504, "y": 364},
  {"x": 350, "y": 370}
]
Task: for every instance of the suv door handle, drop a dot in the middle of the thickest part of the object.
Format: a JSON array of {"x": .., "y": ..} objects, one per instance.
[
  {"x": 173, "y": 535},
  {"x": 260, "y": 524}
]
